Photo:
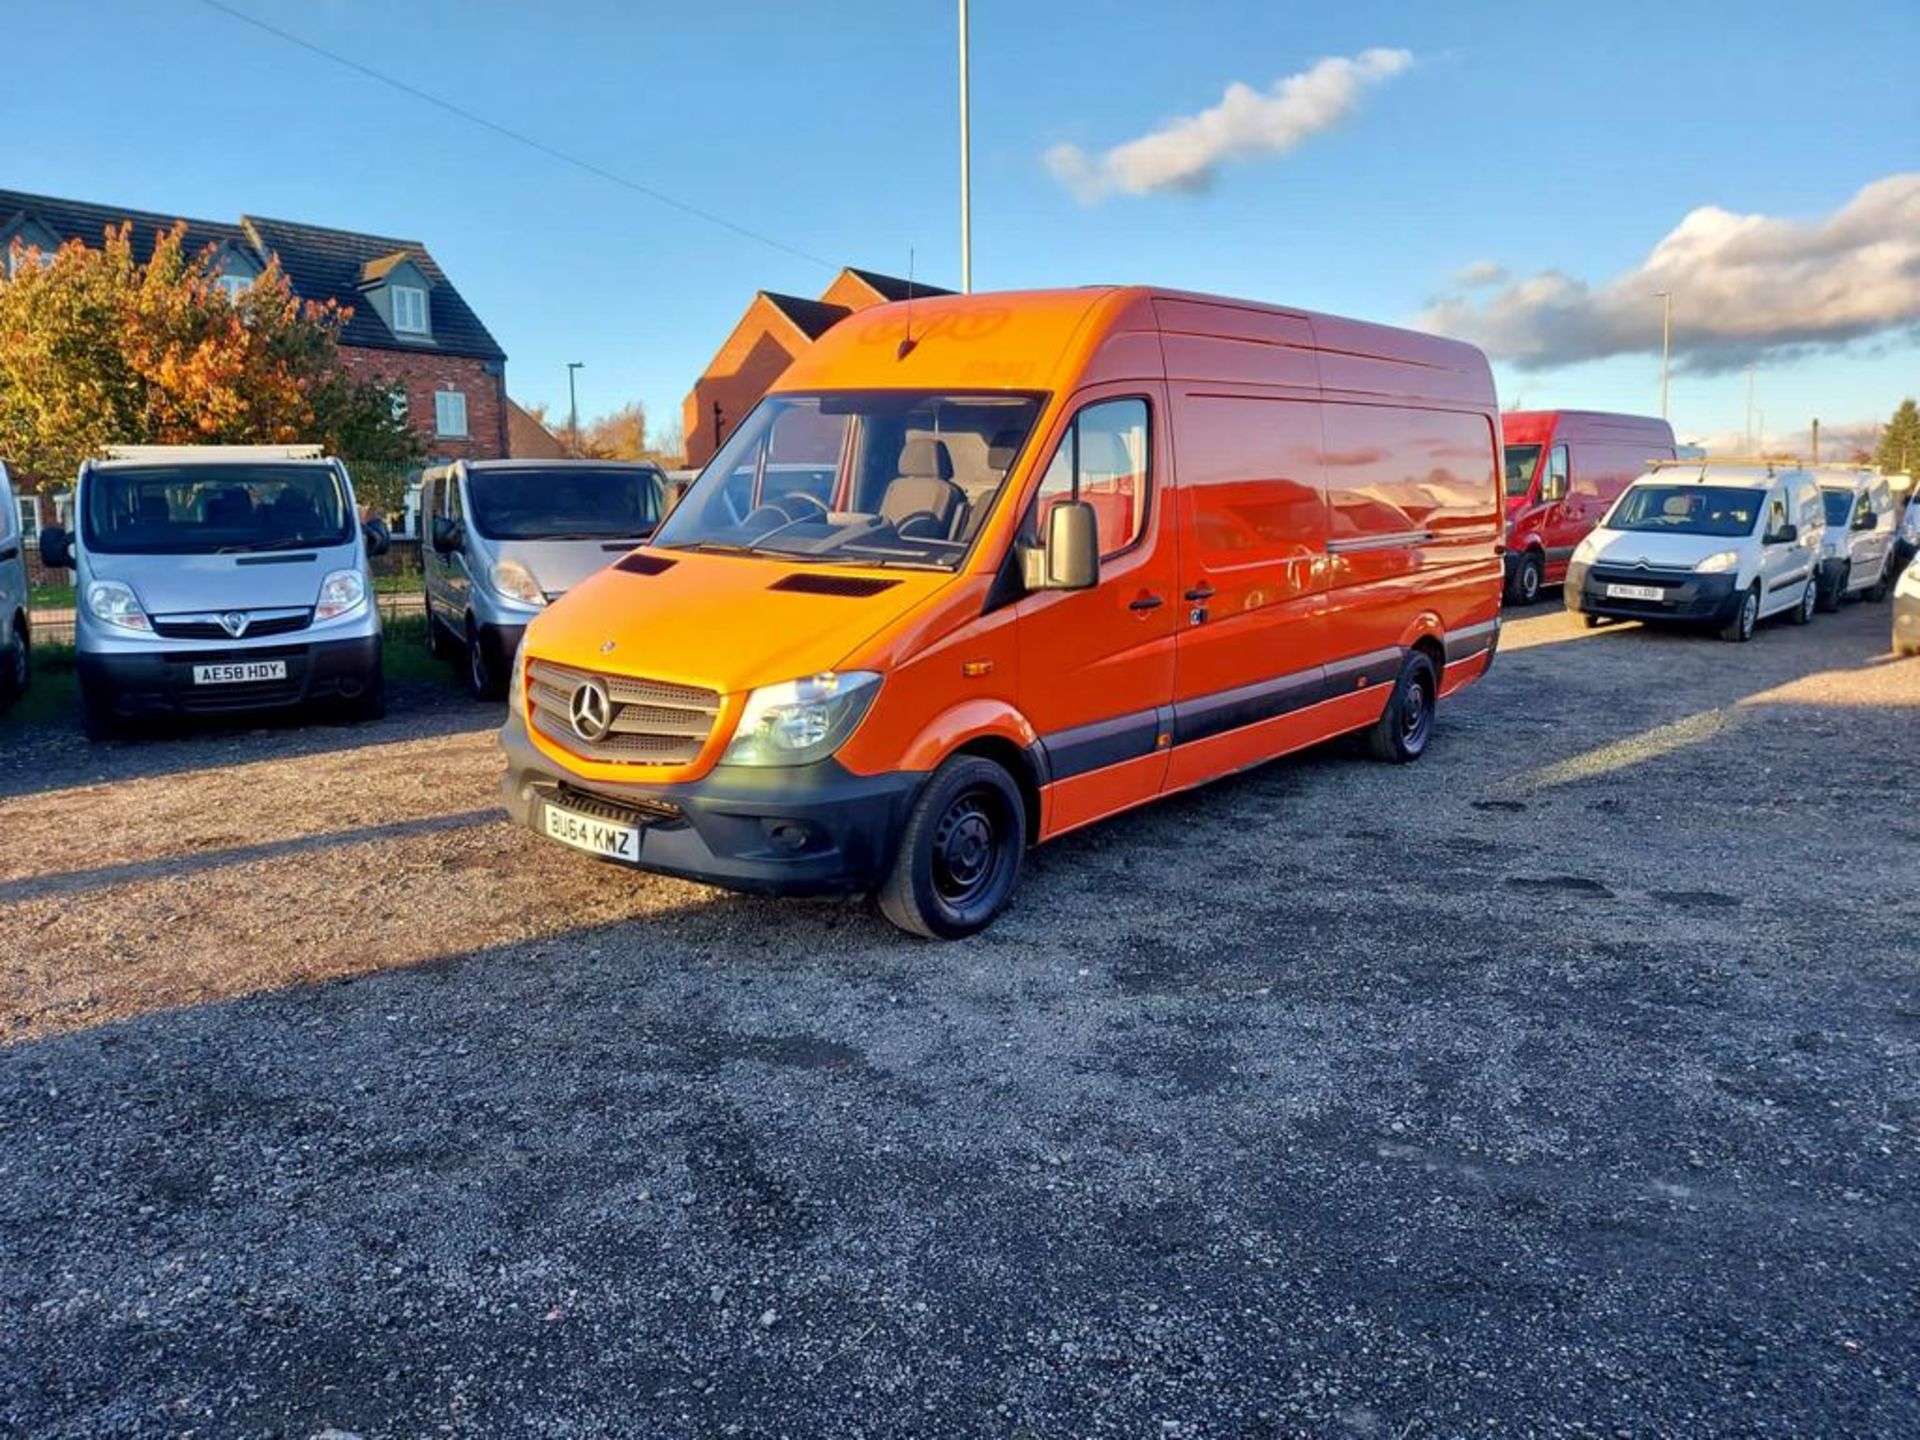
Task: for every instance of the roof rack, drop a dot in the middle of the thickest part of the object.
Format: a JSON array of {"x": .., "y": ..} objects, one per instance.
[
  {"x": 215, "y": 452},
  {"x": 1700, "y": 462}
]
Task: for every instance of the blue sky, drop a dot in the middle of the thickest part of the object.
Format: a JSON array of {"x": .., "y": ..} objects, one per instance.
[{"x": 1539, "y": 137}]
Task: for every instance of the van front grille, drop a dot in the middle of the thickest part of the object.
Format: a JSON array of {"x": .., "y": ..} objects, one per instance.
[
  {"x": 653, "y": 722},
  {"x": 208, "y": 627}
]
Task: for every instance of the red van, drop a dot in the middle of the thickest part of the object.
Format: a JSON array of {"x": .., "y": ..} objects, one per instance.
[{"x": 1565, "y": 468}]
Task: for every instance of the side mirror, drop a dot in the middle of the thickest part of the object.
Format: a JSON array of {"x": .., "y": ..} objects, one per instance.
[
  {"x": 1069, "y": 558},
  {"x": 447, "y": 535},
  {"x": 1865, "y": 520},
  {"x": 379, "y": 540},
  {"x": 56, "y": 548},
  {"x": 1785, "y": 535}
]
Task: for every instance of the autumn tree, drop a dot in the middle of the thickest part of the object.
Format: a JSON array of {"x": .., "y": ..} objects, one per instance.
[
  {"x": 1900, "y": 442},
  {"x": 620, "y": 435},
  {"x": 98, "y": 348}
]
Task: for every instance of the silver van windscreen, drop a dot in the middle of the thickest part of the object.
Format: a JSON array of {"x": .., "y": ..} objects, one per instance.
[{"x": 213, "y": 509}]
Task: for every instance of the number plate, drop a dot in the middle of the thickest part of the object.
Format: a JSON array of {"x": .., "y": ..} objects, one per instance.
[
  {"x": 589, "y": 833},
  {"x": 240, "y": 673},
  {"x": 1635, "y": 592}
]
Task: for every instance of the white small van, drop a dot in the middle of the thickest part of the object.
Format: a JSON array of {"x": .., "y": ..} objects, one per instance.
[
  {"x": 1713, "y": 543},
  {"x": 1856, "y": 557}
]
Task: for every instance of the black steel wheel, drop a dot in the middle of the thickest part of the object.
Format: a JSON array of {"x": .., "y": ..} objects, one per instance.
[{"x": 960, "y": 853}]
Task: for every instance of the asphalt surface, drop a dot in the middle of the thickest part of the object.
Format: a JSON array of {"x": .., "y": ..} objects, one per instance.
[{"x": 1566, "y": 1083}]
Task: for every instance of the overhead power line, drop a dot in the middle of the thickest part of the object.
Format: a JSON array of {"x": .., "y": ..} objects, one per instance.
[{"x": 550, "y": 151}]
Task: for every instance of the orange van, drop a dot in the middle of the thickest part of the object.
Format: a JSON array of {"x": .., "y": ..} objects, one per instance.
[{"x": 984, "y": 569}]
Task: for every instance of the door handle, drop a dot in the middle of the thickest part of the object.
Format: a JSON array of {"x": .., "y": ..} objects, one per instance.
[
  {"x": 1202, "y": 591},
  {"x": 1146, "y": 600}
]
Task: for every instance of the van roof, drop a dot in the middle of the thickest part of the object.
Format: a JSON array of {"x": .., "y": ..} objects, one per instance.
[
  {"x": 121, "y": 455},
  {"x": 1039, "y": 340},
  {"x": 1726, "y": 470}
]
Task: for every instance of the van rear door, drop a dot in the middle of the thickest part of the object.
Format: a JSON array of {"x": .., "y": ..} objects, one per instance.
[{"x": 1096, "y": 666}]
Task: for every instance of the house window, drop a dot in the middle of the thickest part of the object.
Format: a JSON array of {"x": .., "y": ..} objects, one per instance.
[
  {"x": 450, "y": 413},
  {"x": 397, "y": 402},
  {"x": 29, "y": 519},
  {"x": 236, "y": 286},
  {"x": 409, "y": 310}
]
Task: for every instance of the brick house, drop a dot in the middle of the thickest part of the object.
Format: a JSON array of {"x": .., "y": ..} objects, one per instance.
[
  {"x": 765, "y": 341},
  {"x": 410, "y": 330}
]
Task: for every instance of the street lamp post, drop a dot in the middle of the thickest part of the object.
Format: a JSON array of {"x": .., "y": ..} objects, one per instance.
[
  {"x": 1666, "y": 345},
  {"x": 573, "y": 408},
  {"x": 966, "y": 165}
]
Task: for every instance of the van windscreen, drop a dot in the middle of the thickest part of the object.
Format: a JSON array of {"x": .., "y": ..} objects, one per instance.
[
  {"x": 1522, "y": 461},
  {"x": 874, "y": 477},
  {"x": 208, "y": 509},
  {"x": 1687, "y": 510},
  {"x": 565, "y": 502},
  {"x": 1839, "y": 505}
]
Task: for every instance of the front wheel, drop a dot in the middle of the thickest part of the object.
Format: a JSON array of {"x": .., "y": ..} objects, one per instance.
[
  {"x": 1878, "y": 590},
  {"x": 1400, "y": 735},
  {"x": 97, "y": 718},
  {"x": 1740, "y": 628},
  {"x": 1803, "y": 612},
  {"x": 1524, "y": 588},
  {"x": 485, "y": 680},
  {"x": 959, "y": 857}
]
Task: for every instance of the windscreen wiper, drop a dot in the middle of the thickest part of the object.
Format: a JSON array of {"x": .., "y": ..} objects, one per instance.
[{"x": 294, "y": 543}]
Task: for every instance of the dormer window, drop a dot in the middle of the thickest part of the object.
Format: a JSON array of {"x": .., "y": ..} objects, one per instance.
[
  {"x": 409, "y": 310},
  {"x": 235, "y": 286}
]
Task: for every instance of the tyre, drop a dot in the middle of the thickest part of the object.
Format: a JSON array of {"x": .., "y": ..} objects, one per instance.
[
  {"x": 1802, "y": 614},
  {"x": 1524, "y": 587},
  {"x": 1593, "y": 622},
  {"x": 1740, "y": 628},
  {"x": 960, "y": 853},
  {"x": 370, "y": 703},
  {"x": 485, "y": 676},
  {"x": 1832, "y": 595},
  {"x": 437, "y": 645},
  {"x": 1877, "y": 592},
  {"x": 97, "y": 719},
  {"x": 1400, "y": 735},
  {"x": 16, "y": 673}
]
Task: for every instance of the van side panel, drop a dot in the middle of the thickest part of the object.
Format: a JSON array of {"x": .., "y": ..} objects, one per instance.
[
  {"x": 1413, "y": 496},
  {"x": 1225, "y": 345},
  {"x": 1253, "y": 568}
]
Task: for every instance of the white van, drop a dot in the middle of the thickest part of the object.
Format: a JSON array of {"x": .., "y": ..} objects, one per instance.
[
  {"x": 1856, "y": 557},
  {"x": 1714, "y": 543},
  {"x": 213, "y": 579}
]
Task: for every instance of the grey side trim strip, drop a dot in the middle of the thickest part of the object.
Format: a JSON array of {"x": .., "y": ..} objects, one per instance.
[
  {"x": 1105, "y": 742},
  {"x": 1794, "y": 579},
  {"x": 1246, "y": 705},
  {"x": 1397, "y": 541},
  {"x": 1470, "y": 640}
]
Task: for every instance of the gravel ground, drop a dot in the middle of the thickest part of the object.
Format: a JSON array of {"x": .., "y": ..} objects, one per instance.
[{"x": 1567, "y": 1083}]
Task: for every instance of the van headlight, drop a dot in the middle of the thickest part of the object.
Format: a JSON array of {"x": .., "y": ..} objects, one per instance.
[
  {"x": 800, "y": 721},
  {"x": 341, "y": 593},
  {"x": 1584, "y": 552},
  {"x": 1719, "y": 562},
  {"x": 515, "y": 581},
  {"x": 112, "y": 603},
  {"x": 1833, "y": 544}
]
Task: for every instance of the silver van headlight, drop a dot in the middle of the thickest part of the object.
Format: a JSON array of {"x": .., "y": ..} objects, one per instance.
[
  {"x": 112, "y": 602},
  {"x": 515, "y": 581},
  {"x": 1719, "y": 562},
  {"x": 341, "y": 593}
]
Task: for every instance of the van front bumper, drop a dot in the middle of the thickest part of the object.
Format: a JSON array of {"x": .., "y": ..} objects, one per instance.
[
  {"x": 813, "y": 829},
  {"x": 1685, "y": 596},
  {"x": 160, "y": 682}
]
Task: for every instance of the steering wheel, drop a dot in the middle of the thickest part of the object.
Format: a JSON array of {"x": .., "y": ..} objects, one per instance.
[
  {"x": 914, "y": 517},
  {"x": 800, "y": 506},
  {"x": 771, "y": 517}
]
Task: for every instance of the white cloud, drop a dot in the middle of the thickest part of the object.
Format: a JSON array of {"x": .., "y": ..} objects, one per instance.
[
  {"x": 1184, "y": 153},
  {"x": 1480, "y": 272},
  {"x": 1743, "y": 286}
]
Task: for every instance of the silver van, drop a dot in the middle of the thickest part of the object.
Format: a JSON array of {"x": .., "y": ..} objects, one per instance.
[
  {"x": 216, "y": 579},
  {"x": 505, "y": 537},
  {"x": 16, "y": 629}
]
